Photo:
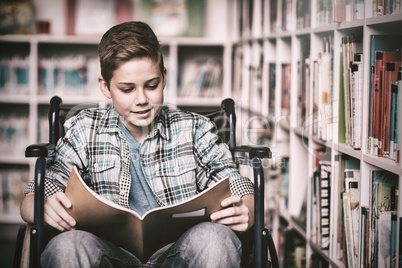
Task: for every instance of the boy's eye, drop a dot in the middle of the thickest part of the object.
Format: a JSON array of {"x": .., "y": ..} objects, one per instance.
[
  {"x": 126, "y": 90},
  {"x": 152, "y": 86}
]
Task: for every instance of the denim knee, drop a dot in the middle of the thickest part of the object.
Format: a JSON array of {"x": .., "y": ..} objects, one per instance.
[
  {"x": 212, "y": 245},
  {"x": 71, "y": 249}
]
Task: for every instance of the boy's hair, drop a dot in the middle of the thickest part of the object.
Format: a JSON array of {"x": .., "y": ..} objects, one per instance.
[{"x": 127, "y": 41}]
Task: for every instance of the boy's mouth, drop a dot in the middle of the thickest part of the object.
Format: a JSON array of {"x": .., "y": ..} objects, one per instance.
[{"x": 143, "y": 111}]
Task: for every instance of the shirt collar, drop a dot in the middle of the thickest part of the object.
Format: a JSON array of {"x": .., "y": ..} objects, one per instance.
[{"x": 109, "y": 123}]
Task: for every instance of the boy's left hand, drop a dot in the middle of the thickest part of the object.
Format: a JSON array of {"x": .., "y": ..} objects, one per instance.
[{"x": 237, "y": 213}]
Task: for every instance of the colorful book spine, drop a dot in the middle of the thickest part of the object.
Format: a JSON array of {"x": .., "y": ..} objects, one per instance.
[{"x": 348, "y": 230}]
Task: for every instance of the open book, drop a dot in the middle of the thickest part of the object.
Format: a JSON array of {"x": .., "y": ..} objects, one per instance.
[{"x": 141, "y": 235}]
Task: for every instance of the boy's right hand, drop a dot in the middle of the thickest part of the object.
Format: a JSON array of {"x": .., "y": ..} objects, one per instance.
[{"x": 56, "y": 214}]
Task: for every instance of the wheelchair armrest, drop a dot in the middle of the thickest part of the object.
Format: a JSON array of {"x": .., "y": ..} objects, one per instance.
[
  {"x": 39, "y": 150},
  {"x": 245, "y": 154}
]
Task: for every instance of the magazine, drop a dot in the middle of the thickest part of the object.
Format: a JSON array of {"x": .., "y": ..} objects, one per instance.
[{"x": 141, "y": 235}]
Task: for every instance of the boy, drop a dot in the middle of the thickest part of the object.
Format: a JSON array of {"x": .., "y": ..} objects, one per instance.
[{"x": 140, "y": 156}]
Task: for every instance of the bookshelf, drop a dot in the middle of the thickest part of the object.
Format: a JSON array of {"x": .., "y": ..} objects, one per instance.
[
  {"x": 29, "y": 61},
  {"x": 309, "y": 36}
]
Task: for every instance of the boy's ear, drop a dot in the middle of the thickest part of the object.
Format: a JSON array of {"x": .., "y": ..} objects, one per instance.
[{"x": 103, "y": 87}]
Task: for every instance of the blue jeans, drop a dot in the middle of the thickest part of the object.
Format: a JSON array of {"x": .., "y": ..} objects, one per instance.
[{"x": 205, "y": 245}]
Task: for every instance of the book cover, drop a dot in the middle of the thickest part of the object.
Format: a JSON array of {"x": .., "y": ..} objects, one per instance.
[
  {"x": 324, "y": 203},
  {"x": 346, "y": 85},
  {"x": 141, "y": 235},
  {"x": 393, "y": 144},
  {"x": 286, "y": 91},
  {"x": 348, "y": 230},
  {"x": 383, "y": 198},
  {"x": 391, "y": 76},
  {"x": 384, "y": 239},
  {"x": 363, "y": 242},
  {"x": 352, "y": 188},
  {"x": 272, "y": 88},
  {"x": 336, "y": 250}
]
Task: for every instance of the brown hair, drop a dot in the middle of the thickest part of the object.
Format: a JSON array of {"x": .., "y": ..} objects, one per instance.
[{"x": 127, "y": 41}]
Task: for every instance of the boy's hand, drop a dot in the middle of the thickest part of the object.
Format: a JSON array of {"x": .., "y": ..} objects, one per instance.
[
  {"x": 237, "y": 213},
  {"x": 56, "y": 214}
]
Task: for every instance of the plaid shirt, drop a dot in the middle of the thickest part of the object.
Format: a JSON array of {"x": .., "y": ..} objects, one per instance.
[{"x": 180, "y": 157}]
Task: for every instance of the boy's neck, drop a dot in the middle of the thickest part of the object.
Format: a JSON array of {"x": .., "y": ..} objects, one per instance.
[{"x": 138, "y": 133}]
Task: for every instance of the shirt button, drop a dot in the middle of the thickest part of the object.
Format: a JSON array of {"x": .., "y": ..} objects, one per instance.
[{"x": 96, "y": 165}]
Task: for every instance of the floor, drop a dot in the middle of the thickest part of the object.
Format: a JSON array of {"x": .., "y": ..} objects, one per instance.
[{"x": 8, "y": 235}]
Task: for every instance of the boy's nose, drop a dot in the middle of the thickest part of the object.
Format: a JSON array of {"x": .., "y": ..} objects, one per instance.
[{"x": 141, "y": 97}]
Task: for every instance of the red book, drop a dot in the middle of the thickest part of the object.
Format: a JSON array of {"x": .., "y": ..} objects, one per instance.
[
  {"x": 381, "y": 57},
  {"x": 391, "y": 76}
]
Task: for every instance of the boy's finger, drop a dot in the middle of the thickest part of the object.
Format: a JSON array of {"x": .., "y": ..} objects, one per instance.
[
  {"x": 60, "y": 210},
  {"x": 230, "y": 200},
  {"x": 56, "y": 221},
  {"x": 63, "y": 199}
]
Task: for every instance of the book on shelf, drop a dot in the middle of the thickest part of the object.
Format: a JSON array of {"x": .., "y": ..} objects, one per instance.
[
  {"x": 386, "y": 7},
  {"x": 68, "y": 75},
  {"x": 294, "y": 249},
  {"x": 351, "y": 89},
  {"x": 287, "y": 15},
  {"x": 394, "y": 234},
  {"x": 248, "y": 15},
  {"x": 14, "y": 75},
  {"x": 399, "y": 254},
  {"x": 285, "y": 91},
  {"x": 201, "y": 78},
  {"x": 352, "y": 189},
  {"x": 14, "y": 133},
  {"x": 364, "y": 237},
  {"x": 284, "y": 187},
  {"x": 255, "y": 80},
  {"x": 324, "y": 13},
  {"x": 391, "y": 77},
  {"x": 383, "y": 201},
  {"x": 324, "y": 203},
  {"x": 273, "y": 15},
  {"x": 348, "y": 10},
  {"x": 345, "y": 185},
  {"x": 393, "y": 134},
  {"x": 385, "y": 60},
  {"x": 348, "y": 230},
  {"x": 322, "y": 92},
  {"x": 303, "y": 14},
  {"x": 336, "y": 246},
  {"x": 272, "y": 88},
  {"x": 356, "y": 94},
  {"x": 141, "y": 235},
  {"x": 398, "y": 119},
  {"x": 237, "y": 69},
  {"x": 321, "y": 205},
  {"x": 303, "y": 83}
]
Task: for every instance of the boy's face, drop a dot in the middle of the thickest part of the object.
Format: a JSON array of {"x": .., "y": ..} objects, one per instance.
[{"x": 136, "y": 90}]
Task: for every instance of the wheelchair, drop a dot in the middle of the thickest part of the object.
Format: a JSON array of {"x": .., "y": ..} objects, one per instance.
[{"x": 258, "y": 246}]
